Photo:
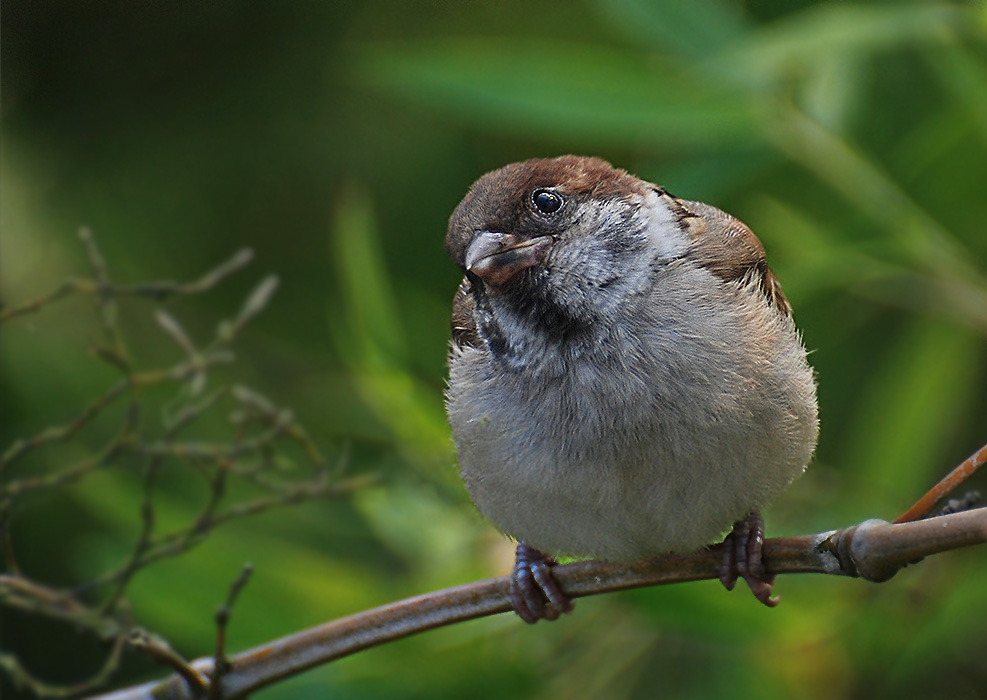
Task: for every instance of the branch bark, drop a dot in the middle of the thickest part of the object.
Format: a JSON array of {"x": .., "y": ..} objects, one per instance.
[{"x": 873, "y": 550}]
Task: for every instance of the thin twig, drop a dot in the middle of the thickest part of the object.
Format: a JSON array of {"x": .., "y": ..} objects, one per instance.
[
  {"x": 22, "y": 677},
  {"x": 261, "y": 429},
  {"x": 946, "y": 486},
  {"x": 72, "y": 285},
  {"x": 220, "y": 663},
  {"x": 23, "y": 594},
  {"x": 123, "y": 440},
  {"x": 144, "y": 539},
  {"x": 176, "y": 543},
  {"x": 106, "y": 300},
  {"x": 163, "y": 289},
  {"x": 159, "y": 649},
  {"x": 157, "y": 291},
  {"x": 64, "y": 432},
  {"x": 255, "y": 303}
]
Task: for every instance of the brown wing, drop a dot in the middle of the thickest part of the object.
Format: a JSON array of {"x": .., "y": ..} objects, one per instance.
[
  {"x": 464, "y": 333},
  {"x": 727, "y": 248}
]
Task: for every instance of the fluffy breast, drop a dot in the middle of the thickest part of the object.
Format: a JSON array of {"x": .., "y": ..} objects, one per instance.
[{"x": 675, "y": 424}]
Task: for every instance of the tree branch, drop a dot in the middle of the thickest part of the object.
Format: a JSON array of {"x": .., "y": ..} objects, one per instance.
[{"x": 874, "y": 550}]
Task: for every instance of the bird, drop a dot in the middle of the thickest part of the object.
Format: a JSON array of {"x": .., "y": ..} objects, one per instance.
[{"x": 625, "y": 376}]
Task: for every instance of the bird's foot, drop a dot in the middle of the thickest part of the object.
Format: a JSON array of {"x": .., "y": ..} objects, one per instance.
[
  {"x": 535, "y": 594},
  {"x": 957, "y": 505},
  {"x": 742, "y": 559}
]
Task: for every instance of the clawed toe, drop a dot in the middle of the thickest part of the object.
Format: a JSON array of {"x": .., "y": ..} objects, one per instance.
[
  {"x": 742, "y": 558},
  {"x": 535, "y": 594}
]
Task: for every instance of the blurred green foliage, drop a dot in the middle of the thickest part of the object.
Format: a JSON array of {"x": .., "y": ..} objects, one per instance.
[{"x": 335, "y": 139}]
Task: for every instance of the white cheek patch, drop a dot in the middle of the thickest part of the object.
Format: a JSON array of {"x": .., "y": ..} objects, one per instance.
[
  {"x": 660, "y": 225},
  {"x": 609, "y": 214}
]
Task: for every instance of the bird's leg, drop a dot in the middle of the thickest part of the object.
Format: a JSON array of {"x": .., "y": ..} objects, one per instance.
[
  {"x": 742, "y": 558},
  {"x": 535, "y": 595}
]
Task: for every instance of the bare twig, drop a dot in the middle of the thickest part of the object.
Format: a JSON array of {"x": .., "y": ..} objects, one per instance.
[
  {"x": 220, "y": 663},
  {"x": 261, "y": 431},
  {"x": 105, "y": 299},
  {"x": 144, "y": 540},
  {"x": 123, "y": 440},
  {"x": 22, "y": 677},
  {"x": 157, "y": 291},
  {"x": 64, "y": 432},
  {"x": 28, "y": 596},
  {"x": 946, "y": 486},
  {"x": 160, "y": 650},
  {"x": 873, "y": 550},
  {"x": 176, "y": 543},
  {"x": 254, "y": 304},
  {"x": 172, "y": 327}
]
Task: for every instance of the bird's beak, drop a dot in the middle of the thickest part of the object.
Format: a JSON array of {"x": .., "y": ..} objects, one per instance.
[{"x": 497, "y": 257}]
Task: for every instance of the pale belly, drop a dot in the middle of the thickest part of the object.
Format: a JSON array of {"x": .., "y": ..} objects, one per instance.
[{"x": 572, "y": 466}]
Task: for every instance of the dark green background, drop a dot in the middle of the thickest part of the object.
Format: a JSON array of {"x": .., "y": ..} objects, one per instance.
[{"x": 335, "y": 139}]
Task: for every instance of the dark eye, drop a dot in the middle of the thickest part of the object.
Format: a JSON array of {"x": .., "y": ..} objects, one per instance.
[{"x": 547, "y": 201}]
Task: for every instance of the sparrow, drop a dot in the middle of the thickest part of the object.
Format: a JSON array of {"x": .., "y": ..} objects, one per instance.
[{"x": 625, "y": 377}]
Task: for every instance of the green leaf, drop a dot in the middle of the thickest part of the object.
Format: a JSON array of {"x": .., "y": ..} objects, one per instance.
[
  {"x": 831, "y": 31},
  {"x": 685, "y": 27},
  {"x": 370, "y": 338},
  {"x": 369, "y": 333},
  {"x": 929, "y": 382},
  {"x": 563, "y": 90},
  {"x": 965, "y": 76}
]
